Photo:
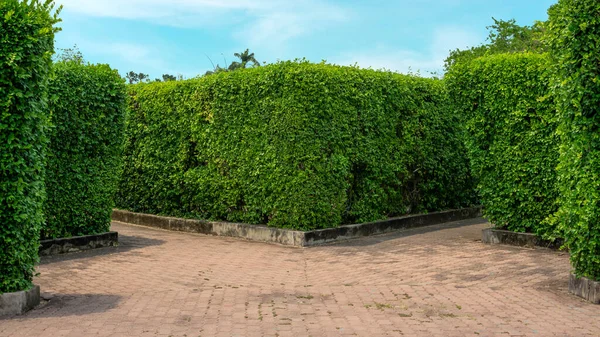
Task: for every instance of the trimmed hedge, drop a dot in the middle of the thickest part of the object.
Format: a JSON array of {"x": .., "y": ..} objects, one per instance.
[
  {"x": 574, "y": 37},
  {"x": 294, "y": 145},
  {"x": 511, "y": 137},
  {"x": 26, "y": 47},
  {"x": 85, "y": 151}
]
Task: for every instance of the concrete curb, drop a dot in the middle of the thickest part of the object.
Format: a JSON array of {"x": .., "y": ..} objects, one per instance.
[
  {"x": 292, "y": 237},
  {"x": 249, "y": 232},
  {"x": 347, "y": 232},
  {"x": 585, "y": 288},
  {"x": 78, "y": 243},
  {"x": 499, "y": 236},
  {"x": 19, "y": 302}
]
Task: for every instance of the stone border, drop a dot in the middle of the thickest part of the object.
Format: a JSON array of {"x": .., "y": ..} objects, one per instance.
[
  {"x": 504, "y": 237},
  {"x": 347, "y": 232},
  {"x": 250, "y": 232},
  {"x": 19, "y": 302},
  {"x": 292, "y": 237},
  {"x": 78, "y": 243},
  {"x": 585, "y": 288}
]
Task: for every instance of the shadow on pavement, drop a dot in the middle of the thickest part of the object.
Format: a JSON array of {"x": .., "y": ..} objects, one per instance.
[
  {"x": 126, "y": 243},
  {"x": 65, "y": 305}
]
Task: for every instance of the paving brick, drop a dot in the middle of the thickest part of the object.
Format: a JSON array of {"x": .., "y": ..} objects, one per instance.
[{"x": 435, "y": 281}]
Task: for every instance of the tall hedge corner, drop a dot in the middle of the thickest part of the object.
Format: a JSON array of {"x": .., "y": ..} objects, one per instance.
[
  {"x": 574, "y": 37},
  {"x": 510, "y": 121},
  {"x": 85, "y": 151},
  {"x": 294, "y": 145},
  {"x": 26, "y": 47}
]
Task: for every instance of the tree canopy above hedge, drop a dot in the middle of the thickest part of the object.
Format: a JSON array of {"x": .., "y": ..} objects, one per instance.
[{"x": 504, "y": 37}]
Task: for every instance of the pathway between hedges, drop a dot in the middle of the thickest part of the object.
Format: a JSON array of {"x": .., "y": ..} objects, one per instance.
[{"x": 437, "y": 281}]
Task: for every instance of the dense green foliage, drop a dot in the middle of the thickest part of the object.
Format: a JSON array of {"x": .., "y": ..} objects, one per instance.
[
  {"x": 511, "y": 137},
  {"x": 504, "y": 37},
  {"x": 574, "y": 37},
  {"x": 294, "y": 145},
  {"x": 26, "y": 47},
  {"x": 85, "y": 152}
]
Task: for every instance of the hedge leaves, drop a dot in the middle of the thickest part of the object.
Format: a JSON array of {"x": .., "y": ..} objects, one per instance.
[
  {"x": 574, "y": 37},
  {"x": 26, "y": 46},
  {"x": 85, "y": 151},
  {"x": 294, "y": 145},
  {"x": 512, "y": 143}
]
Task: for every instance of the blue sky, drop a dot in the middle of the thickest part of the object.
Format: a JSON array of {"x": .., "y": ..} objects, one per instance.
[{"x": 179, "y": 36}]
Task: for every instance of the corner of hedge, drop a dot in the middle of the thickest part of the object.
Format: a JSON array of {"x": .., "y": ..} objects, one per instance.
[
  {"x": 294, "y": 145},
  {"x": 85, "y": 152},
  {"x": 574, "y": 38},
  {"x": 511, "y": 124}
]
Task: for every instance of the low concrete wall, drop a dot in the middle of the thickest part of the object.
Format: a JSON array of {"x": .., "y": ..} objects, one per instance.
[
  {"x": 19, "y": 302},
  {"x": 499, "y": 236},
  {"x": 346, "y": 232},
  {"x": 78, "y": 243},
  {"x": 293, "y": 237},
  {"x": 585, "y": 288},
  {"x": 240, "y": 230}
]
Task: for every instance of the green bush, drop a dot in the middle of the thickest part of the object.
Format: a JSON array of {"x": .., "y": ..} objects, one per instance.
[
  {"x": 574, "y": 37},
  {"x": 85, "y": 151},
  {"x": 293, "y": 145},
  {"x": 26, "y": 47},
  {"x": 511, "y": 137}
]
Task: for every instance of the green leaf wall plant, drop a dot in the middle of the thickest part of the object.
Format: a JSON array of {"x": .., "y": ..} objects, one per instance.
[
  {"x": 511, "y": 127},
  {"x": 574, "y": 39},
  {"x": 27, "y": 31},
  {"x": 294, "y": 145},
  {"x": 85, "y": 152}
]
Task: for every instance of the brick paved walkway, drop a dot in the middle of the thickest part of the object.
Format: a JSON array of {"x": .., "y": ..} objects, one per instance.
[{"x": 438, "y": 281}]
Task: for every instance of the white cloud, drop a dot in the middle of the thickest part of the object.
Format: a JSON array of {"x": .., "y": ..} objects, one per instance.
[
  {"x": 261, "y": 23},
  {"x": 129, "y": 52},
  {"x": 134, "y": 56},
  {"x": 443, "y": 40},
  {"x": 273, "y": 29}
]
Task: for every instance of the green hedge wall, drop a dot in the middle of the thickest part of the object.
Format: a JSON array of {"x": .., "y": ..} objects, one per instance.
[
  {"x": 26, "y": 47},
  {"x": 574, "y": 36},
  {"x": 294, "y": 145},
  {"x": 510, "y": 118},
  {"x": 85, "y": 152}
]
